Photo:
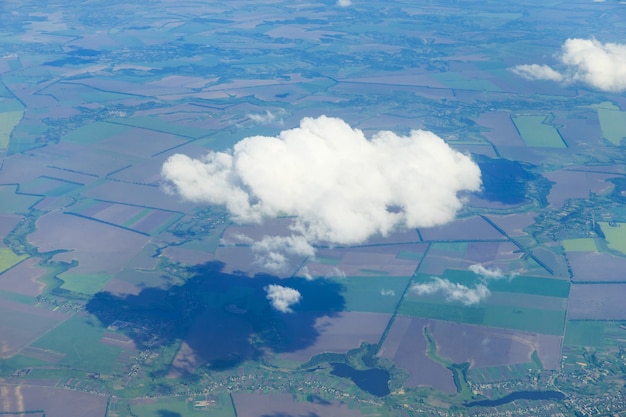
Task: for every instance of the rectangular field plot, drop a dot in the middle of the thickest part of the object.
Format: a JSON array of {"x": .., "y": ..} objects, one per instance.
[
  {"x": 407, "y": 347},
  {"x": 338, "y": 334},
  {"x": 50, "y": 187},
  {"x": 392, "y": 260},
  {"x": 48, "y": 401},
  {"x": 536, "y": 133},
  {"x": 8, "y": 121},
  {"x": 580, "y": 245},
  {"x": 84, "y": 283},
  {"x": 13, "y": 202},
  {"x": 615, "y": 235},
  {"x": 283, "y": 404},
  {"x": 213, "y": 405},
  {"x": 145, "y": 220},
  {"x": 487, "y": 347},
  {"x": 376, "y": 294},
  {"x": 597, "y": 302},
  {"x": 612, "y": 122},
  {"x": 8, "y": 259},
  {"x": 472, "y": 228},
  {"x": 584, "y": 333},
  {"x": 597, "y": 267},
  {"x": 79, "y": 338},
  {"x": 22, "y": 323}
]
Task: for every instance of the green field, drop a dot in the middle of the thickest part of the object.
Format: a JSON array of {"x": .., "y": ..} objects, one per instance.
[
  {"x": 520, "y": 284},
  {"x": 15, "y": 203},
  {"x": 536, "y": 133},
  {"x": 79, "y": 339},
  {"x": 219, "y": 406},
  {"x": 95, "y": 132},
  {"x": 615, "y": 235},
  {"x": 506, "y": 317},
  {"x": 375, "y": 294},
  {"x": 612, "y": 122},
  {"x": 8, "y": 259},
  {"x": 8, "y": 121},
  {"x": 585, "y": 333},
  {"x": 84, "y": 283},
  {"x": 447, "y": 312},
  {"x": 586, "y": 244}
]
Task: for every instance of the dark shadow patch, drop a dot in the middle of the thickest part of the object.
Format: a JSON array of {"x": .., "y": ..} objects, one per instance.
[
  {"x": 508, "y": 182},
  {"x": 223, "y": 319}
]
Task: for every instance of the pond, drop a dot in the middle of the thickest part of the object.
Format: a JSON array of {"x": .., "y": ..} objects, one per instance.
[{"x": 374, "y": 381}]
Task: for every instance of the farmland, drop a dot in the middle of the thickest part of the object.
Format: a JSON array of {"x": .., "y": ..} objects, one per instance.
[{"x": 120, "y": 299}]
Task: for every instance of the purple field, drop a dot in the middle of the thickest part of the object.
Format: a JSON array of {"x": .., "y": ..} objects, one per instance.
[
  {"x": 22, "y": 278},
  {"x": 21, "y": 324},
  {"x": 597, "y": 302},
  {"x": 513, "y": 224},
  {"x": 486, "y": 346},
  {"x": 386, "y": 260},
  {"x": 596, "y": 267},
  {"x": 339, "y": 334},
  {"x": 573, "y": 184},
  {"x": 505, "y": 255},
  {"x": 53, "y": 401},
  {"x": 98, "y": 248},
  {"x": 406, "y": 346},
  {"x": 473, "y": 228}
]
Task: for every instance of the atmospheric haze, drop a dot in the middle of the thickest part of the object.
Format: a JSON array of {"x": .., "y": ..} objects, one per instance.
[
  {"x": 340, "y": 187},
  {"x": 602, "y": 66}
]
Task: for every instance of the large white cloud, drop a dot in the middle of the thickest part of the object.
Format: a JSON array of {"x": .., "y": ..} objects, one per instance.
[
  {"x": 340, "y": 187},
  {"x": 282, "y": 298},
  {"x": 600, "y": 65}
]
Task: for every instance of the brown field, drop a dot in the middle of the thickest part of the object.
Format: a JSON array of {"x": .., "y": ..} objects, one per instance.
[
  {"x": 98, "y": 248},
  {"x": 21, "y": 324},
  {"x": 406, "y": 346},
  {"x": 53, "y": 401},
  {"x": 485, "y": 346},
  {"x": 22, "y": 278}
]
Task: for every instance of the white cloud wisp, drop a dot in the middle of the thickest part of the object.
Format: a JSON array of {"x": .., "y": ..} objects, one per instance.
[
  {"x": 600, "y": 65},
  {"x": 453, "y": 291},
  {"x": 340, "y": 187},
  {"x": 282, "y": 298}
]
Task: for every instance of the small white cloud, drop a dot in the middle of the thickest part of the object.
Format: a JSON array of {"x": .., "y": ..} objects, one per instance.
[
  {"x": 344, "y": 3},
  {"x": 600, "y": 65},
  {"x": 385, "y": 292},
  {"x": 271, "y": 252},
  {"x": 487, "y": 273},
  {"x": 453, "y": 291},
  {"x": 282, "y": 298},
  {"x": 537, "y": 72},
  {"x": 265, "y": 118}
]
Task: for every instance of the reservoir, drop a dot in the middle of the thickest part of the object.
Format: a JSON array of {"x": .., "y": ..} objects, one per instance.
[
  {"x": 520, "y": 395},
  {"x": 374, "y": 381}
]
